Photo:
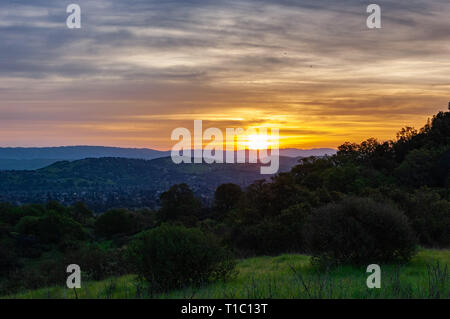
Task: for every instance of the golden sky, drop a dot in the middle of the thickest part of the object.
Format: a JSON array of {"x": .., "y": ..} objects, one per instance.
[{"x": 137, "y": 70}]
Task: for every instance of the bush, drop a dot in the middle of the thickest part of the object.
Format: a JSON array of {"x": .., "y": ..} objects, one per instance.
[
  {"x": 8, "y": 260},
  {"x": 98, "y": 263},
  {"x": 429, "y": 215},
  {"x": 28, "y": 225},
  {"x": 359, "y": 231},
  {"x": 171, "y": 257},
  {"x": 52, "y": 228},
  {"x": 114, "y": 222},
  {"x": 272, "y": 236}
]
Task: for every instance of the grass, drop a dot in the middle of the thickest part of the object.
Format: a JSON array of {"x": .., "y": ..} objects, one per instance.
[{"x": 288, "y": 276}]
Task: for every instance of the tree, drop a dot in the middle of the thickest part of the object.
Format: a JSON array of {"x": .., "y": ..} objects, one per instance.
[
  {"x": 227, "y": 197},
  {"x": 8, "y": 261},
  {"x": 428, "y": 213},
  {"x": 179, "y": 203},
  {"x": 52, "y": 228},
  {"x": 419, "y": 168},
  {"x": 114, "y": 222},
  {"x": 81, "y": 213}
]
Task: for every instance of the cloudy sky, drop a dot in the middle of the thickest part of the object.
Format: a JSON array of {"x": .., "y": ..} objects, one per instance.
[{"x": 138, "y": 69}]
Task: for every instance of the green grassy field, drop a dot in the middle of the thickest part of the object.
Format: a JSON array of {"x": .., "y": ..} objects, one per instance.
[{"x": 288, "y": 276}]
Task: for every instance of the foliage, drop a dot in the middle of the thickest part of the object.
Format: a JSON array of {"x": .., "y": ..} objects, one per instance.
[
  {"x": 285, "y": 277},
  {"x": 368, "y": 203},
  {"x": 359, "y": 231},
  {"x": 97, "y": 262},
  {"x": 8, "y": 260},
  {"x": 52, "y": 228},
  {"x": 114, "y": 222},
  {"x": 174, "y": 256},
  {"x": 179, "y": 203},
  {"x": 420, "y": 168},
  {"x": 281, "y": 233},
  {"x": 227, "y": 197},
  {"x": 428, "y": 213}
]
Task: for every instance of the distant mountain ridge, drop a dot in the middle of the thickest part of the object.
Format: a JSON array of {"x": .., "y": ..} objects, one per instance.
[
  {"x": 296, "y": 152},
  {"x": 31, "y": 158},
  {"x": 78, "y": 152}
]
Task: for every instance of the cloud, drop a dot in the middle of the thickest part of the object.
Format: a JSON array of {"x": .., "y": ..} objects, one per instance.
[{"x": 306, "y": 62}]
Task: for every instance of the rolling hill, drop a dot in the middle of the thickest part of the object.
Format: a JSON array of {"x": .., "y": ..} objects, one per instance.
[
  {"x": 32, "y": 158},
  {"x": 111, "y": 181}
]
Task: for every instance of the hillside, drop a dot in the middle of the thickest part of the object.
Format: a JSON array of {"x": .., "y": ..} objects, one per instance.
[
  {"x": 31, "y": 158},
  {"x": 102, "y": 180},
  {"x": 77, "y": 152}
]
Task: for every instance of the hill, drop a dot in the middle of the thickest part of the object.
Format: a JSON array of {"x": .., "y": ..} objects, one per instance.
[
  {"x": 110, "y": 181},
  {"x": 31, "y": 158},
  {"x": 77, "y": 152}
]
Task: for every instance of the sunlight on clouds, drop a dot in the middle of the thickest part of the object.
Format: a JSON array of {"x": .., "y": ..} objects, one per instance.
[{"x": 134, "y": 73}]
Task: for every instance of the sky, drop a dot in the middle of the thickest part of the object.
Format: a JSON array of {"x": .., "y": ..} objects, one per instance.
[{"x": 138, "y": 69}]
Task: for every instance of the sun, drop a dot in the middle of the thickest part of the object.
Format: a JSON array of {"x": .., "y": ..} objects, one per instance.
[{"x": 257, "y": 142}]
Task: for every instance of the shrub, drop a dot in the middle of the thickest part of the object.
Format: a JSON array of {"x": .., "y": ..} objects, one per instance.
[
  {"x": 98, "y": 263},
  {"x": 171, "y": 257},
  {"x": 59, "y": 229},
  {"x": 114, "y": 222},
  {"x": 429, "y": 215},
  {"x": 272, "y": 236},
  {"x": 8, "y": 260},
  {"x": 28, "y": 225},
  {"x": 9, "y": 214},
  {"x": 359, "y": 230},
  {"x": 52, "y": 228}
]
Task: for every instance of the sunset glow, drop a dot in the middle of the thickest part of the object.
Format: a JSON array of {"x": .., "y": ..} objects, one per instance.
[
  {"x": 258, "y": 142},
  {"x": 133, "y": 73}
]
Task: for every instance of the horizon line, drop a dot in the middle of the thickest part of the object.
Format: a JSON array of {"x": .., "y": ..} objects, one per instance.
[{"x": 148, "y": 148}]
